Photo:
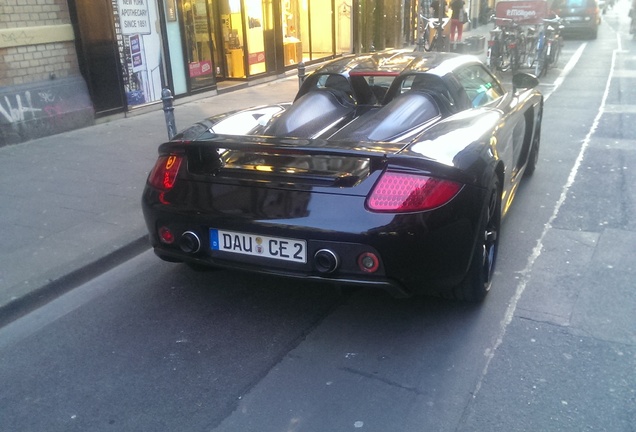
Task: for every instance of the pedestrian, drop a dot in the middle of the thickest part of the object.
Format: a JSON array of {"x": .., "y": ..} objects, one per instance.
[
  {"x": 435, "y": 9},
  {"x": 457, "y": 20}
]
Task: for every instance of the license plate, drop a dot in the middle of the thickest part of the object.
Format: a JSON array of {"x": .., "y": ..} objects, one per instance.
[
  {"x": 278, "y": 248},
  {"x": 574, "y": 19}
]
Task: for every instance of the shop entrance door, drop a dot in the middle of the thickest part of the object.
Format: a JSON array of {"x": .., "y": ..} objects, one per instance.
[
  {"x": 203, "y": 65},
  {"x": 98, "y": 54}
]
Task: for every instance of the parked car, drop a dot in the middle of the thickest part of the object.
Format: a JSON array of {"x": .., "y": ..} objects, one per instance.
[
  {"x": 580, "y": 17},
  {"x": 388, "y": 170}
]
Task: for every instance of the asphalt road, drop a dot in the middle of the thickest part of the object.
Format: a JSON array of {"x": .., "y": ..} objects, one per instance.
[{"x": 155, "y": 346}]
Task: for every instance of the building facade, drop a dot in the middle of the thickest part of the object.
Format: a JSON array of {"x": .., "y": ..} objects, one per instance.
[
  {"x": 41, "y": 89},
  {"x": 67, "y": 62}
]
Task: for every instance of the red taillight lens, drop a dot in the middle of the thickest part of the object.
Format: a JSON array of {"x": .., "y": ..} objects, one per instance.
[
  {"x": 398, "y": 192},
  {"x": 165, "y": 235},
  {"x": 165, "y": 171}
]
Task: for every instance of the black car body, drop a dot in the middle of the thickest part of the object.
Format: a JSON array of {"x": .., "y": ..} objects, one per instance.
[
  {"x": 580, "y": 17},
  {"x": 390, "y": 170}
]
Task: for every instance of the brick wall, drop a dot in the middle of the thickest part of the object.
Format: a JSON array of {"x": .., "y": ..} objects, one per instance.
[
  {"x": 41, "y": 89},
  {"x": 26, "y": 61}
]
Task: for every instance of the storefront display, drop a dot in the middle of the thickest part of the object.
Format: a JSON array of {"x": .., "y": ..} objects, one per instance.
[
  {"x": 308, "y": 29},
  {"x": 255, "y": 36},
  {"x": 140, "y": 50},
  {"x": 291, "y": 32},
  {"x": 199, "y": 43},
  {"x": 232, "y": 29}
]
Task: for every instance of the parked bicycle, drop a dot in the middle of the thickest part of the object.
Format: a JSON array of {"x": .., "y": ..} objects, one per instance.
[
  {"x": 548, "y": 46},
  {"x": 438, "y": 41},
  {"x": 507, "y": 46}
]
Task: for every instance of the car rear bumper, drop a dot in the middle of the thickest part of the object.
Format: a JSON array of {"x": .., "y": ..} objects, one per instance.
[
  {"x": 416, "y": 253},
  {"x": 579, "y": 27}
]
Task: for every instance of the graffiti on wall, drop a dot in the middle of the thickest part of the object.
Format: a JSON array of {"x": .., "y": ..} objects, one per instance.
[
  {"x": 18, "y": 111},
  {"x": 38, "y": 112}
]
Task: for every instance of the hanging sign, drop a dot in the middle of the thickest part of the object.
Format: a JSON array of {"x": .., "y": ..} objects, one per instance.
[
  {"x": 134, "y": 16},
  {"x": 521, "y": 11}
]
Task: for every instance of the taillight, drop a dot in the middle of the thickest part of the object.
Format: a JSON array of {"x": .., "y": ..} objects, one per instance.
[
  {"x": 165, "y": 171},
  {"x": 399, "y": 192}
]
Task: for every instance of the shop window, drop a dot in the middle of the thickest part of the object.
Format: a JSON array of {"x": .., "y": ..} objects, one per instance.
[
  {"x": 343, "y": 26},
  {"x": 291, "y": 32},
  {"x": 232, "y": 30},
  {"x": 255, "y": 37},
  {"x": 321, "y": 29},
  {"x": 140, "y": 48},
  {"x": 199, "y": 44}
]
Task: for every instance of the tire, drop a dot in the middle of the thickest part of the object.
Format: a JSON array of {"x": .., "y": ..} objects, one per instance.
[
  {"x": 594, "y": 33},
  {"x": 514, "y": 60},
  {"x": 556, "y": 53},
  {"x": 531, "y": 52},
  {"x": 523, "y": 51},
  {"x": 478, "y": 280},
  {"x": 540, "y": 64},
  {"x": 439, "y": 43},
  {"x": 493, "y": 58},
  {"x": 427, "y": 43},
  {"x": 505, "y": 58}
]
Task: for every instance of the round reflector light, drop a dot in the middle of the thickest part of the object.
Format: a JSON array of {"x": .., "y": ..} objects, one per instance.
[
  {"x": 368, "y": 262},
  {"x": 165, "y": 235}
]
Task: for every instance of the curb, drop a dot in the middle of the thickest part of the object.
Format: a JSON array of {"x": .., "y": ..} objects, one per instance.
[{"x": 46, "y": 293}]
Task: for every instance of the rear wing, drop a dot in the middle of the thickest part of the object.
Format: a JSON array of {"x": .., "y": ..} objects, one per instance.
[
  {"x": 284, "y": 145},
  {"x": 312, "y": 161}
]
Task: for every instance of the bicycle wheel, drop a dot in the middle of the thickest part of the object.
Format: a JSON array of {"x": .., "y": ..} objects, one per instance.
[
  {"x": 439, "y": 43},
  {"x": 540, "y": 64},
  {"x": 426, "y": 41},
  {"x": 514, "y": 60},
  {"x": 531, "y": 44},
  {"x": 522, "y": 47},
  {"x": 491, "y": 55},
  {"x": 506, "y": 58},
  {"x": 556, "y": 51}
]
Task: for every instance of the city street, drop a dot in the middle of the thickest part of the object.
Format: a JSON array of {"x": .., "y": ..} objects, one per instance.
[{"x": 150, "y": 345}]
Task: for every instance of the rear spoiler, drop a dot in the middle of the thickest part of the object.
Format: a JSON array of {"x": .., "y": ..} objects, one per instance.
[
  {"x": 382, "y": 153},
  {"x": 259, "y": 144}
]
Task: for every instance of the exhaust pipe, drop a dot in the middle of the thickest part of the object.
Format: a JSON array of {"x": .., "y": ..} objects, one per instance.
[
  {"x": 190, "y": 242},
  {"x": 326, "y": 261}
]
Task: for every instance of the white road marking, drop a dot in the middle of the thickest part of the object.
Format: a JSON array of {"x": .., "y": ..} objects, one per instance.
[
  {"x": 536, "y": 252},
  {"x": 566, "y": 70}
]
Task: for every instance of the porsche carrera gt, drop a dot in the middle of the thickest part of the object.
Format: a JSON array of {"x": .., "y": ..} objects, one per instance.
[{"x": 391, "y": 170}]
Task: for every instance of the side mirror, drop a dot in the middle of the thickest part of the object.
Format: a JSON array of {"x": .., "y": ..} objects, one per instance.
[{"x": 524, "y": 80}]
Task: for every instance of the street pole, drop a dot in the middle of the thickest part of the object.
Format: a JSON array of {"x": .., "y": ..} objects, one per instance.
[
  {"x": 301, "y": 73},
  {"x": 168, "y": 110}
]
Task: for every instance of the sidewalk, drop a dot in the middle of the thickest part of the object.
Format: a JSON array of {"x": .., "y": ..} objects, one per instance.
[{"x": 70, "y": 203}]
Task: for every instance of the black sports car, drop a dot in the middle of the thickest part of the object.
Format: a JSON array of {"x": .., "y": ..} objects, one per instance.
[{"x": 391, "y": 170}]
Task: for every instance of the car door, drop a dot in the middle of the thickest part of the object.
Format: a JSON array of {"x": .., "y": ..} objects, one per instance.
[{"x": 485, "y": 90}]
